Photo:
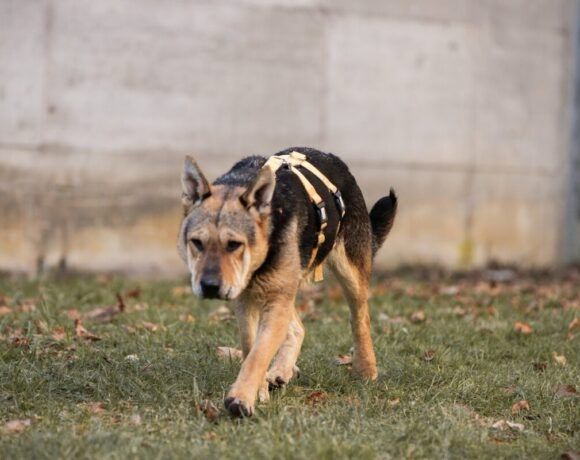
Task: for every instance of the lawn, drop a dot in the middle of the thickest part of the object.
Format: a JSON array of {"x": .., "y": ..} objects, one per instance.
[{"x": 477, "y": 366}]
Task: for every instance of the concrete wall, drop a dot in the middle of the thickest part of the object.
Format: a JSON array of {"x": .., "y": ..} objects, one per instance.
[{"x": 463, "y": 106}]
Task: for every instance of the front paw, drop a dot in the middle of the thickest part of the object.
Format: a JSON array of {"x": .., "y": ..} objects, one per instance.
[
  {"x": 238, "y": 407},
  {"x": 279, "y": 377}
]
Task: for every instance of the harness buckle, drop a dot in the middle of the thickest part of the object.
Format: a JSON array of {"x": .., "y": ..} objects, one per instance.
[
  {"x": 321, "y": 209},
  {"x": 340, "y": 203}
]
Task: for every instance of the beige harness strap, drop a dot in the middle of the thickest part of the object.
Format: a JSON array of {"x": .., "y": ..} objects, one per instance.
[{"x": 293, "y": 160}]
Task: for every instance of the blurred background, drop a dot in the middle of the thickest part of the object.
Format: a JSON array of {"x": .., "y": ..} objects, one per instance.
[{"x": 468, "y": 108}]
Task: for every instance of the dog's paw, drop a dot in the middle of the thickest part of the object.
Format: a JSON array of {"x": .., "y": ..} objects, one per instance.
[
  {"x": 365, "y": 371},
  {"x": 278, "y": 378},
  {"x": 238, "y": 408}
]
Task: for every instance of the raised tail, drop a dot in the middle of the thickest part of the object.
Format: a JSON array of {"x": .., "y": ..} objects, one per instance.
[{"x": 382, "y": 217}]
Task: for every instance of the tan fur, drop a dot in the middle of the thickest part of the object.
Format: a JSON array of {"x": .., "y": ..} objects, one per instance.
[{"x": 355, "y": 283}]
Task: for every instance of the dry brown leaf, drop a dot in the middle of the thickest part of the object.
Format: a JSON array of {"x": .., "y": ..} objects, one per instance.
[
  {"x": 520, "y": 406},
  {"x": 559, "y": 359},
  {"x": 16, "y": 426},
  {"x": 73, "y": 313},
  {"x": 459, "y": 311},
  {"x": 82, "y": 333},
  {"x": 151, "y": 326},
  {"x": 130, "y": 329},
  {"x": 343, "y": 360},
  {"x": 180, "y": 291},
  {"x": 221, "y": 313},
  {"x": 93, "y": 407},
  {"x": 58, "y": 333},
  {"x": 394, "y": 402},
  {"x": 209, "y": 410},
  {"x": 133, "y": 293},
  {"x": 316, "y": 397},
  {"x": 418, "y": 316},
  {"x": 505, "y": 424},
  {"x": 571, "y": 455},
  {"x": 566, "y": 391},
  {"x": 429, "y": 354},
  {"x": 574, "y": 324},
  {"x": 522, "y": 328},
  {"x": 106, "y": 314},
  {"x": 540, "y": 366},
  {"x": 228, "y": 352},
  {"x": 187, "y": 318},
  {"x": 4, "y": 310}
]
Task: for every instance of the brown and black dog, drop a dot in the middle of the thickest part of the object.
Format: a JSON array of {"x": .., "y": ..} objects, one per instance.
[{"x": 249, "y": 237}]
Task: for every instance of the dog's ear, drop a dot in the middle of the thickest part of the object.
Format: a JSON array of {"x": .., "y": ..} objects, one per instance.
[
  {"x": 260, "y": 192},
  {"x": 194, "y": 184}
]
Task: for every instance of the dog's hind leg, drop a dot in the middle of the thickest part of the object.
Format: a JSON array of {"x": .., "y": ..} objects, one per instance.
[
  {"x": 284, "y": 365},
  {"x": 352, "y": 269}
]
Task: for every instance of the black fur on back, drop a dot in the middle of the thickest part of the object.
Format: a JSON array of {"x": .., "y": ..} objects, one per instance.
[{"x": 291, "y": 201}]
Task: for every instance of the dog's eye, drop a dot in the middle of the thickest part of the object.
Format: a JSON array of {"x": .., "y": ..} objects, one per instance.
[
  {"x": 231, "y": 246},
  {"x": 197, "y": 243}
]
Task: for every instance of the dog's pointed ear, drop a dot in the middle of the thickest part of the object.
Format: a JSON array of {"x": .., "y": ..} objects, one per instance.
[
  {"x": 260, "y": 192},
  {"x": 194, "y": 184}
]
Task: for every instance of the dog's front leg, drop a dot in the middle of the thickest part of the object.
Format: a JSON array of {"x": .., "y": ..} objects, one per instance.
[{"x": 272, "y": 329}]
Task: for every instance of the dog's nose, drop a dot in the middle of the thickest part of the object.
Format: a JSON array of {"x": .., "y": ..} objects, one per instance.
[{"x": 210, "y": 287}]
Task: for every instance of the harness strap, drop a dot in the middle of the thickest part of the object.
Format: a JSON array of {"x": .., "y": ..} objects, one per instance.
[{"x": 293, "y": 161}]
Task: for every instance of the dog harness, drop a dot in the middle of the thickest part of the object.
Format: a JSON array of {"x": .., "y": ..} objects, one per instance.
[{"x": 293, "y": 161}]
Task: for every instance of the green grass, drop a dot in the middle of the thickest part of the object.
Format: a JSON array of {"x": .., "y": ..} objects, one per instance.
[{"x": 445, "y": 408}]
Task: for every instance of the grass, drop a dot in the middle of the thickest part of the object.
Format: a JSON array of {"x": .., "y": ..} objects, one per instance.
[{"x": 444, "y": 381}]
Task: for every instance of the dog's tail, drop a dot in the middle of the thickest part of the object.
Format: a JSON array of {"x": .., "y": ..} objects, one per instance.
[{"x": 382, "y": 217}]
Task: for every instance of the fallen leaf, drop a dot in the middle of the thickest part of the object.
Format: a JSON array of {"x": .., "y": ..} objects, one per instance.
[
  {"x": 82, "y": 333},
  {"x": 58, "y": 333},
  {"x": 559, "y": 359},
  {"x": 73, "y": 313},
  {"x": 343, "y": 360},
  {"x": 540, "y": 366},
  {"x": 522, "y": 328},
  {"x": 515, "y": 426},
  {"x": 418, "y": 317},
  {"x": 209, "y": 410},
  {"x": 151, "y": 326},
  {"x": 450, "y": 290},
  {"x": 131, "y": 358},
  {"x": 4, "y": 310},
  {"x": 228, "y": 352},
  {"x": 574, "y": 324},
  {"x": 180, "y": 291},
  {"x": 136, "y": 419},
  {"x": 133, "y": 293},
  {"x": 187, "y": 318},
  {"x": 394, "y": 402},
  {"x": 509, "y": 390},
  {"x": 93, "y": 407},
  {"x": 571, "y": 455},
  {"x": 316, "y": 397},
  {"x": 520, "y": 406},
  {"x": 221, "y": 313},
  {"x": 106, "y": 314},
  {"x": 428, "y": 355},
  {"x": 504, "y": 424},
  {"x": 566, "y": 391},
  {"x": 16, "y": 426},
  {"x": 458, "y": 311}
]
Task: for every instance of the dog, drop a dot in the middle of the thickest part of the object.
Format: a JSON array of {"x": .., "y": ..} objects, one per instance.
[{"x": 251, "y": 236}]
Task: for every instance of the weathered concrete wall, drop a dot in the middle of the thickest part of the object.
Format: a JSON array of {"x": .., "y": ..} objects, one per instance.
[{"x": 463, "y": 106}]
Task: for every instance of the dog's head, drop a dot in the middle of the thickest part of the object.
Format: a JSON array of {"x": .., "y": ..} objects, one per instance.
[{"x": 224, "y": 233}]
